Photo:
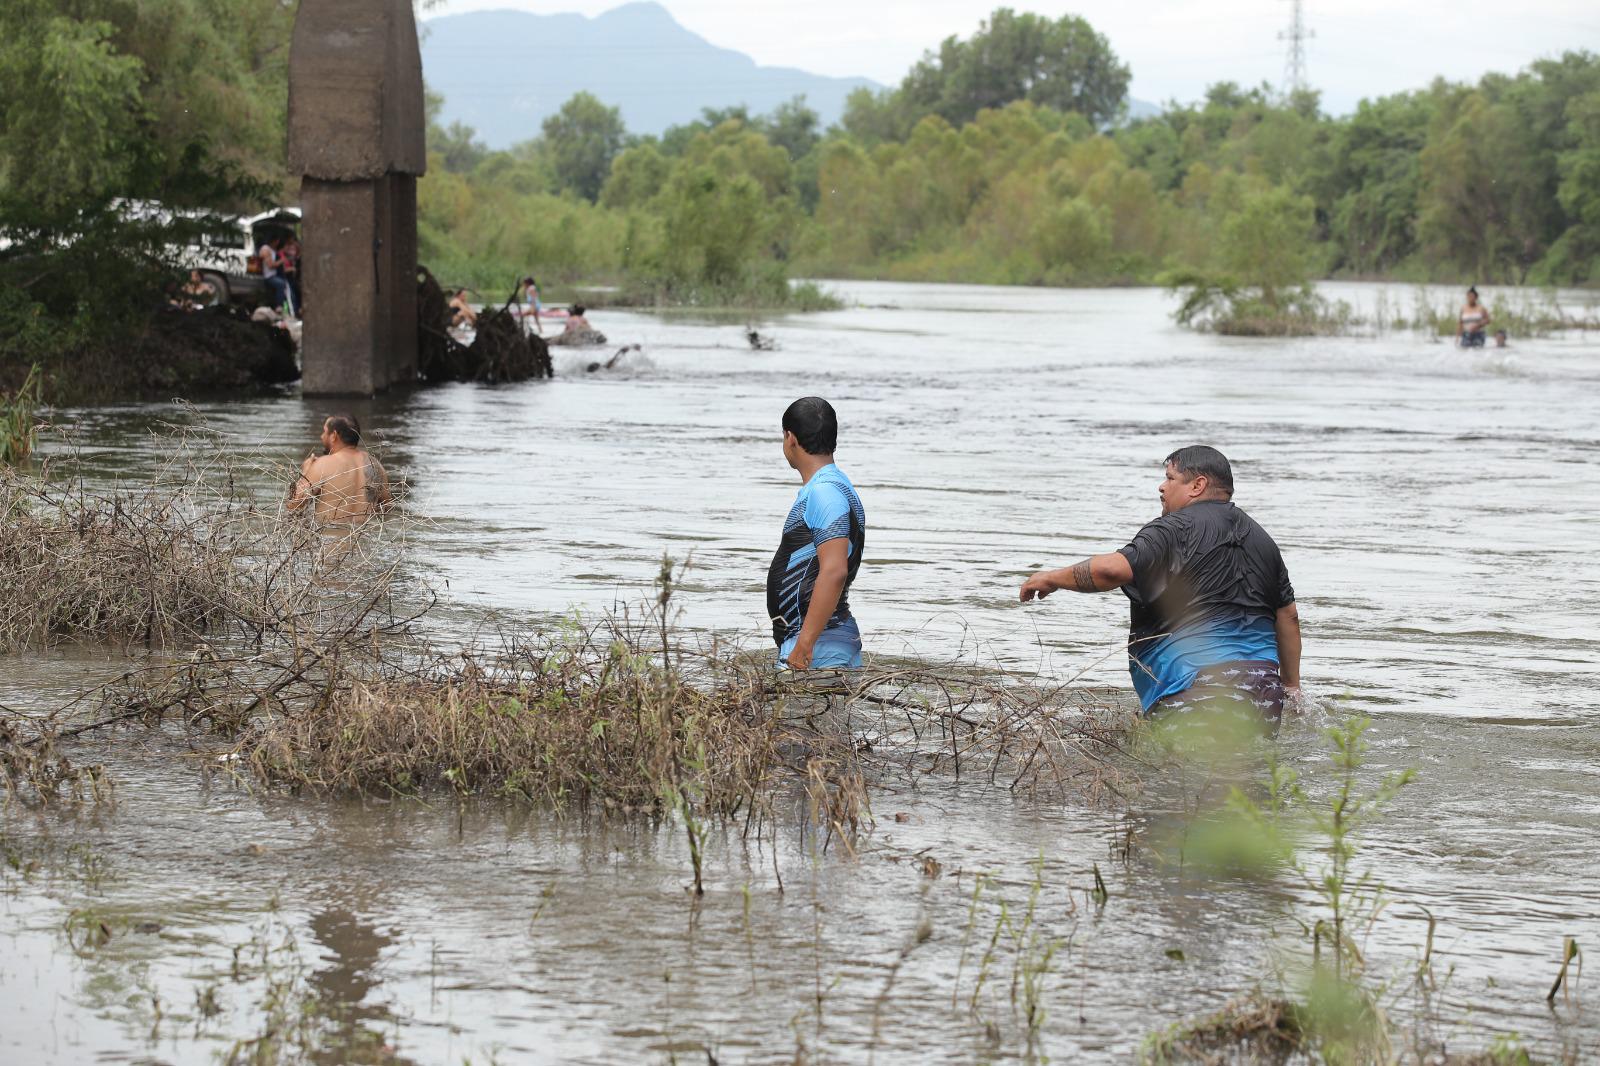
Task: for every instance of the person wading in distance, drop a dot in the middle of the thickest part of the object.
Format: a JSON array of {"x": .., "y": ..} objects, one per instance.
[
  {"x": 346, "y": 485},
  {"x": 1212, "y": 614},
  {"x": 527, "y": 300},
  {"x": 820, "y": 551},
  {"x": 1473, "y": 322}
]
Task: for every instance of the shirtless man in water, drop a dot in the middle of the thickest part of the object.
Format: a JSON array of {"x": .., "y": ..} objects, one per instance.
[{"x": 347, "y": 484}]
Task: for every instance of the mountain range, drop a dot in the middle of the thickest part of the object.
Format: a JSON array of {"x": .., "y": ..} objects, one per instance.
[{"x": 503, "y": 72}]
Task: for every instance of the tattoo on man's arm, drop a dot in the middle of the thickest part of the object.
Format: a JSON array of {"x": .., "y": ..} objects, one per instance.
[{"x": 1083, "y": 576}]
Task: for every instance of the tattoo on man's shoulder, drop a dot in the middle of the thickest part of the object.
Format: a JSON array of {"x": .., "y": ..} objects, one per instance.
[{"x": 1083, "y": 576}]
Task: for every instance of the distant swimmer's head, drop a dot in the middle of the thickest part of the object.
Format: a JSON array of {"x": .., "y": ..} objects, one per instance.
[
  {"x": 1499, "y": 338},
  {"x": 343, "y": 429},
  {"x": 579, "y": 309},
  {"x": 529, "y": 282},
  {"x": 1195, "y": 474},
  {"x": 811, "y": 426}
]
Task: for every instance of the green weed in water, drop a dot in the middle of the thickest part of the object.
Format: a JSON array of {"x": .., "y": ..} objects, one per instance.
[
  {"x": 18, "y": 418},
  {"x": 1336, "y": 1011},
  {"x": 1033, "y": 952}
]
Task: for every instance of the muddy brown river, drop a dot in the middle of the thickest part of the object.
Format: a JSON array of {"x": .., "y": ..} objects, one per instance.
[{"x": 1437, "y": 514}]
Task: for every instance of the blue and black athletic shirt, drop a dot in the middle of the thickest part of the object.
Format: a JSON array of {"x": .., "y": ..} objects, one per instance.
[
  {"x": 826, "y": 508},
  {"x": 1207, "y": 585}
]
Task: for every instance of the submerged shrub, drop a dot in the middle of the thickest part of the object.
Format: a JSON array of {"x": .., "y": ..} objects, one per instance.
[
  {"x": 573, "y": 717},
  {"x": 1222, "y": 304}
]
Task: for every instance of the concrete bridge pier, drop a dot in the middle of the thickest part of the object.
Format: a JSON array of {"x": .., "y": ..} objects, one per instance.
[{"x": 357, "y": 137}]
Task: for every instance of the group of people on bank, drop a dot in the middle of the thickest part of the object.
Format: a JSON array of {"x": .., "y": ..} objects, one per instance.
[
  {"x": 1213, "y": 619},
  {"x": 279, "y": 259}
]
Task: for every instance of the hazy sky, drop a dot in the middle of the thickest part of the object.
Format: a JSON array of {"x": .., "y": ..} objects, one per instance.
[{"x": 1175, "y": 49}]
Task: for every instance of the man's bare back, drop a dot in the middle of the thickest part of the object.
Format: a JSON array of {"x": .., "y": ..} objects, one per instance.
[{"x": 347, "y": 485}]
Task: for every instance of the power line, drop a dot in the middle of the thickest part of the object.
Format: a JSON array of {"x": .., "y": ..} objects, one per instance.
[{"x": 1294, "y": 63}]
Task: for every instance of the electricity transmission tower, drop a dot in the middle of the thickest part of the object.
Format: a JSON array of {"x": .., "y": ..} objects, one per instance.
[{"x": 1294, "y": 62}]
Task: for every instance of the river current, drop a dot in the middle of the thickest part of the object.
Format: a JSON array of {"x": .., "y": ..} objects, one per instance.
[{"x": 1434, "y": 509}]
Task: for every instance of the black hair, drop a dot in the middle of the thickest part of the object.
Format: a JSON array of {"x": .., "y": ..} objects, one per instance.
[
  {"x": 1198, "y": 459},
  {"x": 529, "y": 281},
  {"x": 812, "y": 421},
  {"x": 346, "y": 426},
  {"x": 578, "y": 309},
  {"x": 1472, "y": 290}
]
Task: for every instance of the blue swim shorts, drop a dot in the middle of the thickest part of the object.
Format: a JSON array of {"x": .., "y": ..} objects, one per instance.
[{"x": 837, "y": 648}]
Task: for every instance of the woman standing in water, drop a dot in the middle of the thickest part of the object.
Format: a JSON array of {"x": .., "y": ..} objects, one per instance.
[
  {"x": 526, "y": 298},
  {"x": 1473, "y": 322}
]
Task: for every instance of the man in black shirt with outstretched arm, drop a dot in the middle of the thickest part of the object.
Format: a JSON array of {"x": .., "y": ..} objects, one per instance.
[{"x": 1212, "y": 613}]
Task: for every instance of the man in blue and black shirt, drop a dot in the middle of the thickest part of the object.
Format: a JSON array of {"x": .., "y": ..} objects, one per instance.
[
  {"x": 817, "y": 559},
  {"x": 1212, "y": 612}
]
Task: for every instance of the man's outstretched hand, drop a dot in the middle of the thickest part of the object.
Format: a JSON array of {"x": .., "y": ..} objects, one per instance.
[
  {"x": 1038, "y": 586},
  {"x": 1098, "y": 573}
]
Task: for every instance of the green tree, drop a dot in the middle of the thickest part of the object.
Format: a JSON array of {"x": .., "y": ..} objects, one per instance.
[
  {"x": 872, "y": 116},
  {"x": 1061, "y": 63},
  {"x": 70, "y": 101},
  {"x": 848, "y": 186},
  {"x": 581, "y": 140},
  {"x": 457, "y": 145},
  {"x": 1480, "y": 201},
  {"x": 677, "y": 138},
  {"x": 793, "y": 127},
  {"x": 1267, "y": 245},
  {"x": 733, "y": 150},
  {"x": 1372, "y": 181},
  {"x": 1074, "y": 240},
  {"x": 637, "y": 176},
  {"x": 1575, "y": 257},
  {"x": 103, "y": 102},
  {"x": 80, "y": 82},
  {"x": 715, "y": 227},
  {"x": 1559, "y": 101}
]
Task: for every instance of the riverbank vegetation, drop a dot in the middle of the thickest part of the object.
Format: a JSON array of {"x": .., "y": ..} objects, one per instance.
[
  {"x": 1005, "y": 158},
  {"x": 128, "y": 132},
  {"x": 972, "y": 171}
]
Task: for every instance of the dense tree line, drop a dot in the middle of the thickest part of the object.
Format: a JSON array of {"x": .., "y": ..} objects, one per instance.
[
  {"x": 994, "y": 162},
  {"x": 1002, "y": 157}
]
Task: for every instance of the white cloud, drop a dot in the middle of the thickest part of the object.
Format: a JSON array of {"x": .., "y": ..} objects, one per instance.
[{"x": 1174, "y": 47}]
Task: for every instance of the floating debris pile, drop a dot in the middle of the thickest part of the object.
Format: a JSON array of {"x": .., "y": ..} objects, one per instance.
[{"x": 501, "y": 349}]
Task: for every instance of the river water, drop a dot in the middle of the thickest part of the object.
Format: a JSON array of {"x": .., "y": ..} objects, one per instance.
[{"x": 1433, "y": 509}]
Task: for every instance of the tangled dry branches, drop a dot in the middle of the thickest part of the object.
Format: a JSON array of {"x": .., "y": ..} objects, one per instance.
[
  {"x": 192, "y": 554},
  {"x": 289, "y": 657}
]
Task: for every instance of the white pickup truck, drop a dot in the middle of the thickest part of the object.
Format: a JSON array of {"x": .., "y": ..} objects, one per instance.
[
  {"x": 232, "y": 269},
  {"x": 228, "y": 264}
]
